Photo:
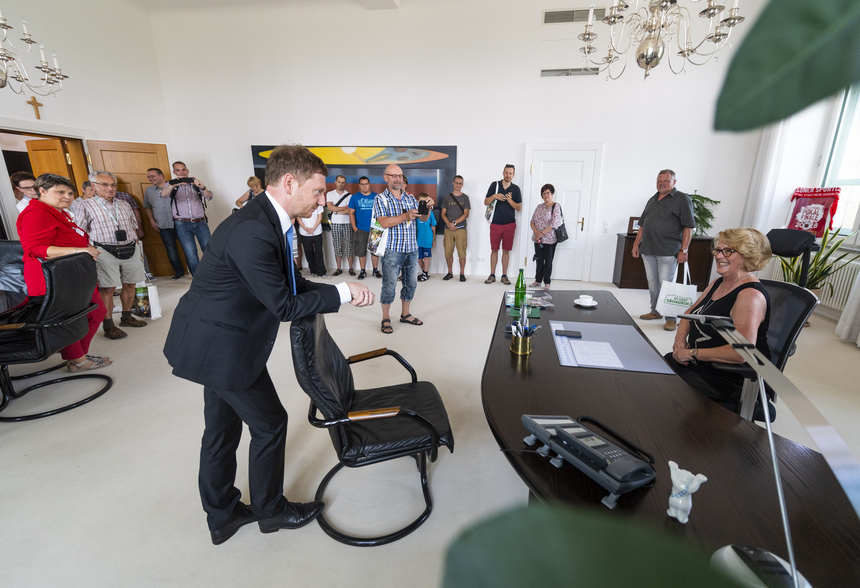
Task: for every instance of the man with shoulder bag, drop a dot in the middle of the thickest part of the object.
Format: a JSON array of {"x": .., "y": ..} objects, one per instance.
[{"x": 112, "y": 228}]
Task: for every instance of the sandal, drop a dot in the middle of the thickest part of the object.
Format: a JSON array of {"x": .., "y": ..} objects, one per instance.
[
  {"x": 86, "y": 365},
  {"x": 411, "y": 320},
  {"x": 387, "y": 328}
]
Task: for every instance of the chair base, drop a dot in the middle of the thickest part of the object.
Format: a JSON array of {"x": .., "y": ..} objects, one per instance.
[
  {"x": 9, "y": 392},
  {"x": 421, "y": 458}
]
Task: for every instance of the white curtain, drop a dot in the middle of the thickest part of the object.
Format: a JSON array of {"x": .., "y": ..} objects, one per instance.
[
  {"x": 848, "y": 327},
  {"x": 763, "y": 182}
]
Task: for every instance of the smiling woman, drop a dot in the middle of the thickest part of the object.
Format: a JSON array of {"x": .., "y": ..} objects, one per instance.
[{"x": 736, "y": 293}]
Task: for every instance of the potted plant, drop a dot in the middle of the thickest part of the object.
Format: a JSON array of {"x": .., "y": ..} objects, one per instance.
[
  {"x": 821, "y": 266},
  {"x": 702, "y": 212}
]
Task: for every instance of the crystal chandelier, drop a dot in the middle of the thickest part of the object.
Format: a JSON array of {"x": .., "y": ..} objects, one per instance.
[
  {"x": 14, "y": 74},
  {"x": 651, "y": 30}
]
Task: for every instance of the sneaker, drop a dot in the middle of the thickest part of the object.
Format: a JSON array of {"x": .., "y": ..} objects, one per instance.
[
  {"x": 132, "y": 322},
  {"x": 362, "y": 274},
  {"x": 422, "y": 278},
  {"x": 670, "y": 326},
  {"x": 351, "y": 272},
  {"x": 115, "y": 332},
  {"x": 448, "y": 276},
  {"x": 314, "y": 276},
  {"x": 324, "y": 277},
  {"x": 534, "y": 285},
  {"x": 337, "y": 272},
  {"x": 376, "y": 274},
  {"x": 651, "y": 316},
  {"x": 504, "y": 279},
  {"x": 462, "y": 278},
  {"x": 491, "y": 279},
  {"x": 178, "y": 275}
]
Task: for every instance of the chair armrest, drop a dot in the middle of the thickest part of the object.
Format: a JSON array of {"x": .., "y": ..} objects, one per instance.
[
  {"x": 737, "y": 368},
  {"x": 379, "y": 353}
]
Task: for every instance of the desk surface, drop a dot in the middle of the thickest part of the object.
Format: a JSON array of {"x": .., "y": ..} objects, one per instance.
[{"x": 670, "y": 420}]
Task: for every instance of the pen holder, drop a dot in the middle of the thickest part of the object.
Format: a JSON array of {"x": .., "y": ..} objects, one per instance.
[{"x": 521, "y": 345}]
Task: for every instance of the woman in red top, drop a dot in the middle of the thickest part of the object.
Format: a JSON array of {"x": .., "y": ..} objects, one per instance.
[{"x": 46, "y": 231}]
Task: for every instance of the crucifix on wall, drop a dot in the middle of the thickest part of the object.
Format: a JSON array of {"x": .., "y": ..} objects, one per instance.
[{"x": 35, "y": 104}]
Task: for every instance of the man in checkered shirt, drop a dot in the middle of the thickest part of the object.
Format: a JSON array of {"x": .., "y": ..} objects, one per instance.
[{"x": 110, "y": 222}]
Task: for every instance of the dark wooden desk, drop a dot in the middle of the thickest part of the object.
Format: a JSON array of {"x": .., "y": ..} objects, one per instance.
[
  {"x": 630, "y": 271},
  {"x": 670, "y": 420}
]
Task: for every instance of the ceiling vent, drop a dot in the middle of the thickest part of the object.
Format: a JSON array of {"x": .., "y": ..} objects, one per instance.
[
  {"x": 564, "y": 73},
  {"x": 564, "y": 16}
]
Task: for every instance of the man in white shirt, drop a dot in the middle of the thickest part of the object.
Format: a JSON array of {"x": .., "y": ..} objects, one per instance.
[
  {"x": 24, "y": 188},
  {"x": 337, "y": 202}
]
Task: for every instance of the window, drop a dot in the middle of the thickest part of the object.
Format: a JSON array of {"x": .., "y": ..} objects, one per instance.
[{"x": 843, "y": 166}]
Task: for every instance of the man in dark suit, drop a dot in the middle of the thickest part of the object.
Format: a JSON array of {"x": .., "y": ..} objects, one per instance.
[{"x": 222, "y": 334}]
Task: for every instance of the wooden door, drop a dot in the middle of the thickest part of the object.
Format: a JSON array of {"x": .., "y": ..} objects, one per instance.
[
  {"x": 129, "y": 162},
  {"x": 59, "y": 156}
]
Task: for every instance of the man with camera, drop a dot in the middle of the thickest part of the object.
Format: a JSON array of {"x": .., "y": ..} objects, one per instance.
[
  {"x": 188, "y": 198},
  {"x": 112, "y": 227},
  {"x": 396, "y": 210}
]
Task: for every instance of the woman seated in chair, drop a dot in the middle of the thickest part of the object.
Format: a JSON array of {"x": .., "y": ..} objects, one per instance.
[
  {"x": 738, "y": 294},
  {"x": 47, "y": 231}
]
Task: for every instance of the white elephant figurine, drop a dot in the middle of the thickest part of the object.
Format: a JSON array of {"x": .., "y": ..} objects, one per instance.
[{"x": 683, "y": 485}]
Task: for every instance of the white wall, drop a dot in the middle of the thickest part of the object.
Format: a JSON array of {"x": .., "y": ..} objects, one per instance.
[
  {"x": 437, "y": 72},
  {"x": 462, "y": 72}
]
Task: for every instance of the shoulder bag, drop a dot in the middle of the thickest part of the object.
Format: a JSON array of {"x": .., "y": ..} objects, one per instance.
[{"x": 561, "y": 232}]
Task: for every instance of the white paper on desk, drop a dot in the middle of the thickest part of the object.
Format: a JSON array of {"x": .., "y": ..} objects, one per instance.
[{"x": 595, "y": 354}]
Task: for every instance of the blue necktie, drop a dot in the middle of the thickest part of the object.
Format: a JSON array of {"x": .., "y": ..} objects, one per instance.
[{"x": 291, "y": 265}]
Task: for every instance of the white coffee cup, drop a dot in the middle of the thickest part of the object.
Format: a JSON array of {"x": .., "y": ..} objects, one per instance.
[{"x": 585, "y": 299}]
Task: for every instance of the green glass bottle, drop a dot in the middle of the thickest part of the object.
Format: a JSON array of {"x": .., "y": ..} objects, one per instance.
[{"x": 520, "y": 290}]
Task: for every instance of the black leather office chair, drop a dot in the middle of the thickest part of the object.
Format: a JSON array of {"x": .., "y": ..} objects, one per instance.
[
  {"x": 31, "y": 330},
  {"x": 367, "y": 426},
  {"x": 790, "y": 307},
  {"x": 791, "y": 243}
]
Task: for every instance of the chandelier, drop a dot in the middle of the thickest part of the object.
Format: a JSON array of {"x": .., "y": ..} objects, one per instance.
[
  {"x": 652, "y": 29},
  {"x": 14, "y": 74}
]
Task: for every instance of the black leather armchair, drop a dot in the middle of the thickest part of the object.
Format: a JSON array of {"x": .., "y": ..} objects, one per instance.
[
  {"x": 367, "y": 426},
  {"x": 33, "y": 329}
]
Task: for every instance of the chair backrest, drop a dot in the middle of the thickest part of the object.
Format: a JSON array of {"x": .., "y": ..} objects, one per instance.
[
  {"x": 321, "y": 369},
  {"x": 12, "y": 267},
  {"x": 790, "y": 307}
]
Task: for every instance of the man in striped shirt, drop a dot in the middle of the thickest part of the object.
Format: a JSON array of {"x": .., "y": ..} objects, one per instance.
[
  {"x": 188, "y": 201},
  {"x": 111, "y": 224}
]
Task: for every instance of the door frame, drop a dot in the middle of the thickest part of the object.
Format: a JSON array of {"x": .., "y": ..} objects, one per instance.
[
  {"x": 7, "y": 198},
  {"x": 530, "y": 199}
]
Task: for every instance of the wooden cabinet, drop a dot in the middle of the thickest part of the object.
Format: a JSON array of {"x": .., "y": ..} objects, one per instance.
[{"x": 630, "y": 271}]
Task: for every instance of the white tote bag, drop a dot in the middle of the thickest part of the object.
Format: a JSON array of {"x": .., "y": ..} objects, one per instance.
[
  {"x": 146, "y": 301},
  {"x": 676, "y": 298}
]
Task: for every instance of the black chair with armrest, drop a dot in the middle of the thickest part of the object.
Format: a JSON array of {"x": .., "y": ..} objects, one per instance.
[
  {"x": 367, "y": 426},
  {"x": 33, "y": 329}
]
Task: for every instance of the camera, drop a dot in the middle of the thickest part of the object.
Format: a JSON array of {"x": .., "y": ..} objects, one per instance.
[{"x": 175, "y": 181}]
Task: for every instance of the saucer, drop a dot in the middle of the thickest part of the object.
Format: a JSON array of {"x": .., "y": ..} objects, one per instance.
[{"x": 579, "y": 302}]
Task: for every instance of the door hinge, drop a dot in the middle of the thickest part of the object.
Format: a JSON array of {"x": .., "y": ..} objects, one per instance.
[
  {"x": 89, "y": 161},
  {"x": 68, "y": 159},
  {"x": 532, "y": 170}
]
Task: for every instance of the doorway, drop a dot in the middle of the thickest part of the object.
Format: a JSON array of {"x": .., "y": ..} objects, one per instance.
[{"x": 573, "y": 169}]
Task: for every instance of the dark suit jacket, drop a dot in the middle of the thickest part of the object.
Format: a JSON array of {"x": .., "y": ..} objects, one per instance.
[{"x": 225, "y": 326}]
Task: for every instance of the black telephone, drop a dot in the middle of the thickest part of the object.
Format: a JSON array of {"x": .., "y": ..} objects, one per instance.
[{"x": 613, "y": 468}]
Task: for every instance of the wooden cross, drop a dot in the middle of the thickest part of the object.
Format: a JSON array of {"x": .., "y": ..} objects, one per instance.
[{"x": 35, "y": 104}]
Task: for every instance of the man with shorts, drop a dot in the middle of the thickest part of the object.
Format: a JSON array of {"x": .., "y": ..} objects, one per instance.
[
  {"x": 337, "y": 202},
  {"x": 360, "y": 213},
  {"x": 112, "y": 228},
  {"x": 503, "y": 201},
  {"x": 455, "y": 211}
]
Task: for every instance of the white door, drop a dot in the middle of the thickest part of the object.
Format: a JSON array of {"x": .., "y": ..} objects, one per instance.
[{"x": 572, "y": 169}]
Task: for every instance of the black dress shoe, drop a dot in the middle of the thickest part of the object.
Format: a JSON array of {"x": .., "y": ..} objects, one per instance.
[
  {"x": 295, "y": 515},
  {"x": 178, "y": 275},
  {"x": 242, "y": 515}
]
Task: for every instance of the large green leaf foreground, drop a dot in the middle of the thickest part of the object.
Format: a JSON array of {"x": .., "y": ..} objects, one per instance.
[
  {"x": 560, "y": 546},
  {"x": 797, "y": 52}
]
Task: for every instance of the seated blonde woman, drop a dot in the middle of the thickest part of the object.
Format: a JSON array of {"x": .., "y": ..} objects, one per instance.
[{"x": 738, "y": 294}]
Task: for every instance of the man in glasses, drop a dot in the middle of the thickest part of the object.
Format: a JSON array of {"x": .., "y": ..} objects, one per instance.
[
  {"x": 24, "y": 187},
  {"x": 665, "y": 231},
  {"x": 396, "y": 210},
  {"x": 112, "y": 228}
]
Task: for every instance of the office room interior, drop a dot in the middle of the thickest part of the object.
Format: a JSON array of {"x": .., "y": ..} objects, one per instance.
[{"x": 210, "y": 78}]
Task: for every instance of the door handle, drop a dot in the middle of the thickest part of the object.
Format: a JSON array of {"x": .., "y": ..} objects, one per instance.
[{"x": 581, "y": 224}]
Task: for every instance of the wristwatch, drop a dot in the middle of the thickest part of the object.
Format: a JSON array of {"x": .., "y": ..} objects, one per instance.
[
  {"x": 683, "y": 250},
  {"x": 694, "y": 352}
]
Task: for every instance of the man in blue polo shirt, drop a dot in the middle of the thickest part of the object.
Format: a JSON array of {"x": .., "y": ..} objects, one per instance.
[{"x": 360, "y": 213}]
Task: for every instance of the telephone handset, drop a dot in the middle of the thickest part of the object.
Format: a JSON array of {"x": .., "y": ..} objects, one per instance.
[{"x": 612, "y": 467}]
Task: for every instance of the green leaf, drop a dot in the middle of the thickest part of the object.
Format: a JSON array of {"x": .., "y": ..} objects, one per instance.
[{"x": 797, "y": 52}]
